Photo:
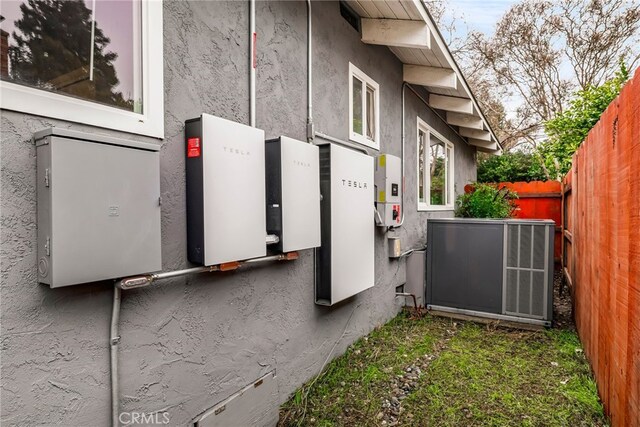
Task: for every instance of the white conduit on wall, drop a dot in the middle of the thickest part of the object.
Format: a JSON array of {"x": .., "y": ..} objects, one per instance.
[
  {"x": 252, "y": 62},
  {"x": 146, "y": 280},
  {"x": 310, "y": 130}
]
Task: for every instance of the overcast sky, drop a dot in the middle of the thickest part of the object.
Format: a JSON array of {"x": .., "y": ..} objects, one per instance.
[{"x": 479, "y": 15}]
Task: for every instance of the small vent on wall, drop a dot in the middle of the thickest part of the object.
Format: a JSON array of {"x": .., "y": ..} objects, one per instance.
[{"x": 350, "y": 16}]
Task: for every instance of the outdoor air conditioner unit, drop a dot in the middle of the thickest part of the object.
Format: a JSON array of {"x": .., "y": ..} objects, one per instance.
[{"x": 501, "y": 269}]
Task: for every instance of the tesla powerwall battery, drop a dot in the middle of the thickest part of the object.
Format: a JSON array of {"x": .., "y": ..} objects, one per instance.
[
  {"x": 345, "y": 260},
  {"x": 225, "y": 191},
  {"x": 98, "y": 207},
  {"x": 293, "y": 193}
]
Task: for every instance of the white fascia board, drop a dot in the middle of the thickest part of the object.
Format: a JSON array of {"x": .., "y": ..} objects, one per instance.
[
  {"x": 491, "y": 150},
  {"x": 492, "y": 145},
  {"x": 444, "y": 78},
  {"x": 450, "y": 103},
  {"x": 440, "y": 43},
  {"x": 396, "y": 32},
  {"x": 483, "y": 135},
  {"x": 465, "y": 120}
]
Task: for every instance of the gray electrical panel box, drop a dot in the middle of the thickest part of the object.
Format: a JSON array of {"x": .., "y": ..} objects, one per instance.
[
  {"x": 293, "y": 193},
  {"x": 226, "y": 219},
  {"x": 388, "y": 182},
  {"x": 345, "y": 261},
  {"x": 98, "y": 207}
]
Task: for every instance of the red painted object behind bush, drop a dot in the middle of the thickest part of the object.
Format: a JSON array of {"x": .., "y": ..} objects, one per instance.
[{"x": 537, "y": 200}]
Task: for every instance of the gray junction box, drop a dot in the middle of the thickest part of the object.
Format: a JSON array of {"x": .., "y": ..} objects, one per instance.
[
  {"x": 293, "y": 193},
  {"x": 388, "y": 182},
  {"x": 345, "y": 261},
  {"x": 98, "y": 207}
]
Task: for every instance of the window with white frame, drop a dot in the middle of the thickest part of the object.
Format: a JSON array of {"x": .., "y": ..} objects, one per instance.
[
  {"x": 364, "y": 109},
  {"x": 96, "y": 62},
  {"x": 435, "y": 170}
]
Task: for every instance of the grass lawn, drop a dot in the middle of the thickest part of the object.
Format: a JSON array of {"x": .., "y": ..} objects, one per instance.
[{"x": 441, "y": 372}]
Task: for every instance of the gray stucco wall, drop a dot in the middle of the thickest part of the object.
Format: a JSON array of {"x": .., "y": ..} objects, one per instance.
[{"x": 190, "y": 342}]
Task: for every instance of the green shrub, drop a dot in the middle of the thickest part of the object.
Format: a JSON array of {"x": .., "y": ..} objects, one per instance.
[
  {"x": 569, "y": 128},
  {"x": 486, "y": 201},
  {"x": 511, "y": 167}
]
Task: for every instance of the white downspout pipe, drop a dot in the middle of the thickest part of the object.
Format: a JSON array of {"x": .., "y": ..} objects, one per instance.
[
  {"x": 252, "y": 62},
  {"x": 114, "y": 340},
  {"x": 310, "y": 130},
  {"x": 146, "y": 280},
  {"x": 402, "y": 142}
]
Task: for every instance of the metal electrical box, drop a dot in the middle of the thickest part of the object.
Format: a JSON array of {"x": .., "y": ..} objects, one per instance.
[
  {"x": 345, "y": 261},
  {"x": 388, "y": 182},
  {"x": 98, "y": 207},
  {"x": 293, "y": 193},
  {"x": 225, "y": 191},
  {"x": 415, "y": 274},
  {"x": 492, "y": 268}
]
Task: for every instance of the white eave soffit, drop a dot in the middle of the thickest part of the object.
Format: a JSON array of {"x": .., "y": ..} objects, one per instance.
[{"x": 405, "y": 27}]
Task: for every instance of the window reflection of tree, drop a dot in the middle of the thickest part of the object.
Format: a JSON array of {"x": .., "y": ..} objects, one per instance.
[
  {"x": 371, "y": 117},
  {"x": 437, "y": 173},
  {"x": 421, "y": 145},
  {"x": 53, "y": 51}
]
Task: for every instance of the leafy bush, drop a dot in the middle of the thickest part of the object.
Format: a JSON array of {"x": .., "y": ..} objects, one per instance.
[
  {"x": 511, "y": 167},
  {"x": 567, "y": 130},
  {"x": 486, "y": 201}
]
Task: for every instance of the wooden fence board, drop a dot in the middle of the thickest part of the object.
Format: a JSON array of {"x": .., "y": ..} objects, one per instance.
[{"x": 601, "y": 252}]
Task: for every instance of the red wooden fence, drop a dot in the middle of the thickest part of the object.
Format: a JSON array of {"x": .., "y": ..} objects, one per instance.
[
  {"x": 602, "y": 252},
  {"x": 537, "y": 200},
  {"x": 540, "y": 200}
]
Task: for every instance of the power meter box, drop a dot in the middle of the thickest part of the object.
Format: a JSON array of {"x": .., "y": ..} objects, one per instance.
[
  {"x": 293, "y": 193},
  {"x": 98, "y": 207},
  {"x": 388, "y": 183},
  {"x": 225, "y": 191},
  {"x": 345, "y": 261}
]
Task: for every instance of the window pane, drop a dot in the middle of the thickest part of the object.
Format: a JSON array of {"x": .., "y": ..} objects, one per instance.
[
  {"x": 357, "y": 106},
  {"x": 421, "y": 197},
  {"x": 87, "y": 49},
  {"x": 371, "y": 114},
  {"x": 437, "y": 172},
  {"x": 449, "y": 178}
]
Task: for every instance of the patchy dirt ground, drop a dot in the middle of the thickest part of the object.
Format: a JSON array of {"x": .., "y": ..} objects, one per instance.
[
  {"x": 562, "y": 308},
  {"x": 433, "y": 371}
]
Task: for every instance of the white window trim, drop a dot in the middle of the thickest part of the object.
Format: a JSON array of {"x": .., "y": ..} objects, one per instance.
[
  {"x": 353, "y": 136},
  {"x": 428, "y": 130},
  {"x": 39, "y": 102}
]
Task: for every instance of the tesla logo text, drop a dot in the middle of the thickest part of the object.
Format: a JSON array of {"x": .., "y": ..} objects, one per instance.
[
  {"x": 355, "y": 184},
  {"x": 303, "y": 164},
  {"x": 238, "y": 151}
]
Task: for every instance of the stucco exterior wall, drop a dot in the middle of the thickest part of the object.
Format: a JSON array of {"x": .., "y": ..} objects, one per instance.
[{"x": 190, "y": 342}]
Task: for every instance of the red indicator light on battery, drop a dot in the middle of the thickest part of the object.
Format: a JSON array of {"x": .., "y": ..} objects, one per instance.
[{"x": 193, "y": 147}]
